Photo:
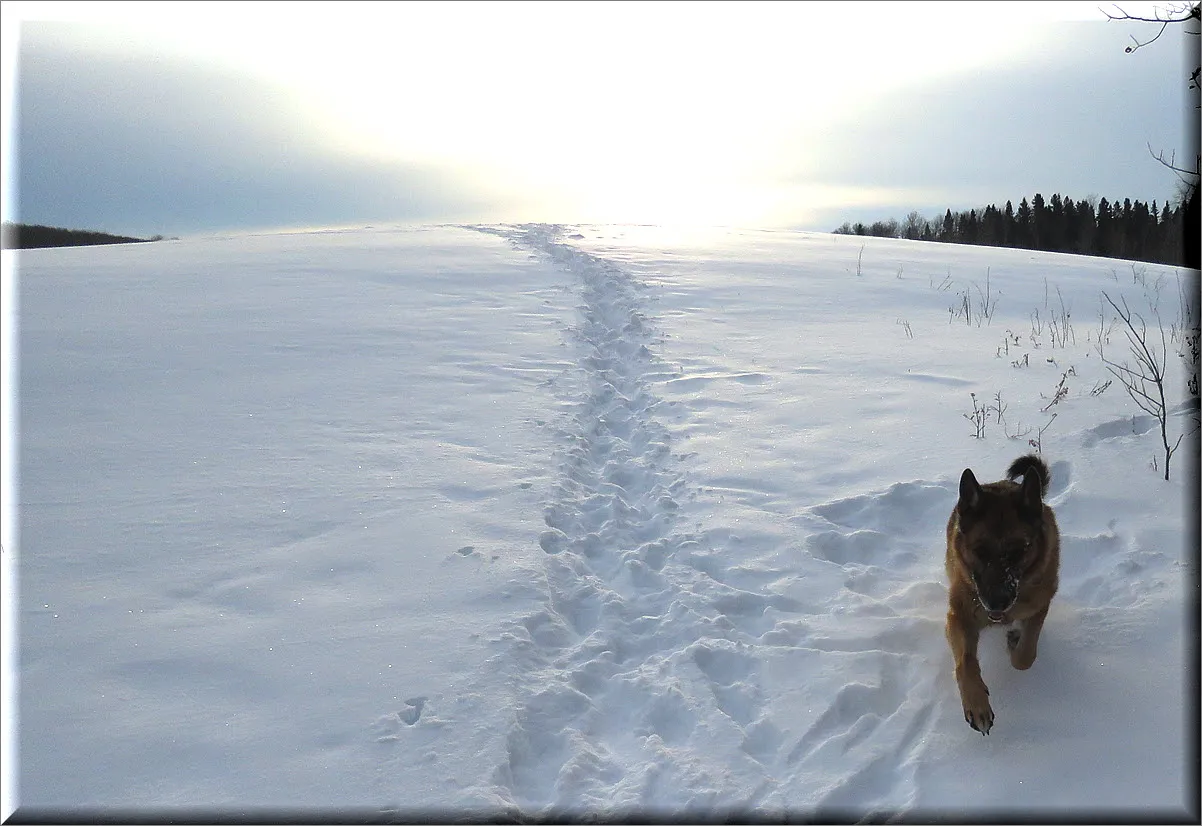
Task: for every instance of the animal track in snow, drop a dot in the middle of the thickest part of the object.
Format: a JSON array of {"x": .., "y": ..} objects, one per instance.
[
  {"x": 537, "y": 742},
  {"x": 667, "y": 716},
  {"x": 889, "y": 545},
  {"x": 614, "y": 612},
  {"x": 389, "y": 727},
  {"x": 903, "y": 509},
  {"x": 868, "y": 738},
  {"x": 1118, "y": 429},
  {"x": 861, "y": 547},
  {"x": 730, "y": 672},
  {"x": 856, "y": 709},
  {"x": 885, "y": 542},
  {"x": 1110, "y": 570},
  {"x": 413, "y": 713}
]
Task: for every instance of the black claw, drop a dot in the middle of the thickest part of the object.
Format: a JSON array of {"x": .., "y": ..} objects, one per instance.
[{"x": 971, "y": 719}]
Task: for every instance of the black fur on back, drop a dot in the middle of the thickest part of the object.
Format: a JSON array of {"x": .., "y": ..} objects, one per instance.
[{"x": 1025, "y": 464}]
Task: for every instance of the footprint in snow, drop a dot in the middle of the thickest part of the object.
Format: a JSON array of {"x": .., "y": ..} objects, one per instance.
[
  {"x": 903, "y": 509},
  {"x": 859, "y": 546},
  {"x": 858, "y": 710},
  {"x": 1109, "y": 571},
  {"x": 1118, "y": 429},
  {"x": 733, "y": 678},
  {"x": 413, "y": 713},
  {"x": 389, "y": 727},
  {"x": 887, "y": 539}
]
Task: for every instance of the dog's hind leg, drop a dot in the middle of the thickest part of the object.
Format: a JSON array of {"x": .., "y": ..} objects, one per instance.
[{"x": 1024, "y": 640}]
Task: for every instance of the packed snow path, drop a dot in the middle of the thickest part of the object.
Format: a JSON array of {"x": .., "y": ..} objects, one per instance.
[{"x": 653, "y": 651}]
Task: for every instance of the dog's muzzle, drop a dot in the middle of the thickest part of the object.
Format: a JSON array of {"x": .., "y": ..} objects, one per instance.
[{"x": 1005, "y": 596}]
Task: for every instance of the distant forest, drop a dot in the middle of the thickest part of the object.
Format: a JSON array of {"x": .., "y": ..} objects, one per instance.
[
  {"x": 36, "y": 236},
  {"x": 1131, "y": 230}
]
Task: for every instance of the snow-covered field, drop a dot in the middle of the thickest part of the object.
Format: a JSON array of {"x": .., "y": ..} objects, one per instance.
[{"x": 564, "y": 522}]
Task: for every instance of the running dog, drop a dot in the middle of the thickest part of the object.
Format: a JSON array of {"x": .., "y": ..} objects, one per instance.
[{"x": 1003, "y": 564}]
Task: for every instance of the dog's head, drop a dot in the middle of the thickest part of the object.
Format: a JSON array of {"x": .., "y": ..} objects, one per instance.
[{"x": 1000, "y": 537}]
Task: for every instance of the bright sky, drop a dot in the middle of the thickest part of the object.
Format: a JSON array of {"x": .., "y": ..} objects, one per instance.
[{"x": 632, "y": 112}]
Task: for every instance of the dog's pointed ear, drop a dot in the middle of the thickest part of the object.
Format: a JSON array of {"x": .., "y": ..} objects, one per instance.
[
  {"x": 970, "y": 491},
  {"x": 1031, "y": 493}
]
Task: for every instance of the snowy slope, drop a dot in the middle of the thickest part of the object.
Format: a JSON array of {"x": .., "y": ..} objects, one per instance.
[{"x": 588, "y": 521}]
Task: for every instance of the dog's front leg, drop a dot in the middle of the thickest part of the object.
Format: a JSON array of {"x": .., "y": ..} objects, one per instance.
[
  {"x": 962, "y": 635},
  {"x": 1023, "y": 641}
]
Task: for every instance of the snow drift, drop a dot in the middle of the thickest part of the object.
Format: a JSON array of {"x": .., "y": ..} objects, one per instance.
[{"x": 585, "y": 522}]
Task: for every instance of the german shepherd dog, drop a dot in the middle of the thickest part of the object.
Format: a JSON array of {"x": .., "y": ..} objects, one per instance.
[{"x": 1003, "y": 563}]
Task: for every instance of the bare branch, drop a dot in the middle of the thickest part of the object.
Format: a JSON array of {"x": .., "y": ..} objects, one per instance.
[
  {"x": 1171, "y": 163},
  {"x": 1177, "y": 13},
  {"x": 1138, "y": 45},
  {"x": 1152, "y": 371},
  {"x": 1189, "y": 12}
]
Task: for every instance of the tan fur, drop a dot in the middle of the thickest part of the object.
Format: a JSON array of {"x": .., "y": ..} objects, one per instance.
[{"x": 1002, "y": 532}]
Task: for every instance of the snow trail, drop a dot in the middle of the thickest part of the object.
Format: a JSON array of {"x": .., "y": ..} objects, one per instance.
[
  {"x": 615, "y": 620},
  {"x": 645, "y": 673}
]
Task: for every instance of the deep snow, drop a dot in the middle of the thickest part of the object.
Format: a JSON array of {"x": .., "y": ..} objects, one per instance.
[{"x": 531, "y": 521}]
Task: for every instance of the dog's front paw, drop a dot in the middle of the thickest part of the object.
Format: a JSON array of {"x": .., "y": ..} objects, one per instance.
[{"x": 977, "y": 711}]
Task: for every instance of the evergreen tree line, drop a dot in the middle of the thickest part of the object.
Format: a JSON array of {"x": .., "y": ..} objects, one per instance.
[
  {"x": 35, "y": 236},
  {"x": 1131, "y": 230}
]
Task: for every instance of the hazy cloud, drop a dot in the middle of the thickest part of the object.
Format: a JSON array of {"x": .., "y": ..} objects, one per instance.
[
  {"x": 117, "y": 132},
  {"x": 154, "y": 145},
  {"x": 1074, "y": 127}
]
